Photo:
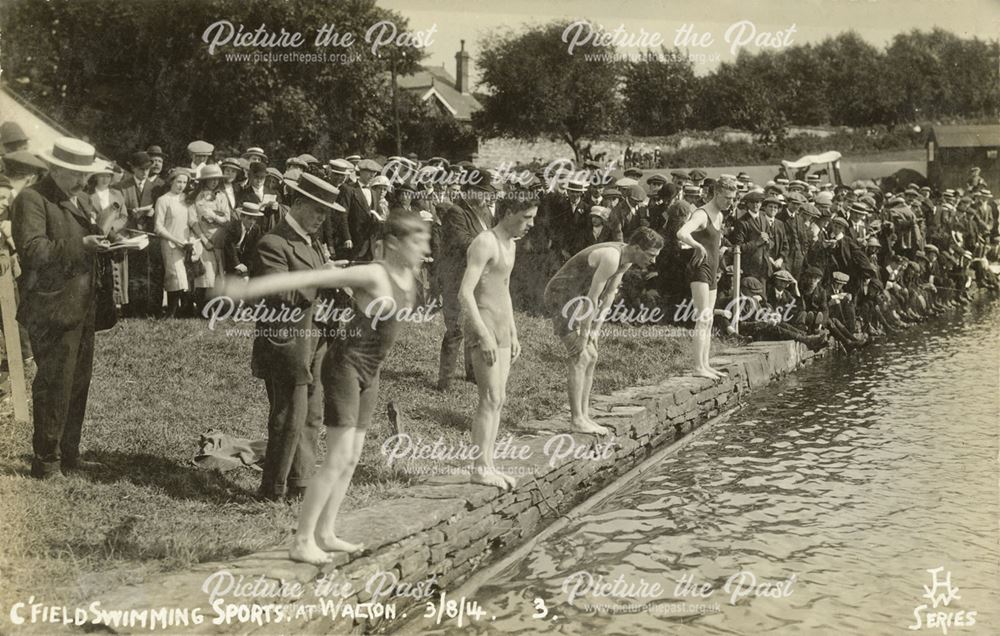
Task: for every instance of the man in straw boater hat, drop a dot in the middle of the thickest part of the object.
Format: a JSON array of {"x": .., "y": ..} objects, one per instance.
[
  {"x": 288, "y": 354},
  {"x": 55, "y": 230},
  {"x": 240, "y": 237}
]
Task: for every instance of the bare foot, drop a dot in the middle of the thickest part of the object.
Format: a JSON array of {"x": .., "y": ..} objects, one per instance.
[
  {"x": 718, "y": 372},
  {"x": 331, "y": 543},
  {"x": 582, "y": 425},
  {"x": 704, "y": 373},
  {"x": 488, "y": 476},
  {"x": 309, "y": 552},
  {"x": 509, "y": 479}
]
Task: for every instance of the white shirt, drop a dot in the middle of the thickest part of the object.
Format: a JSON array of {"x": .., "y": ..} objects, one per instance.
[{"x": 365, "y": 190}]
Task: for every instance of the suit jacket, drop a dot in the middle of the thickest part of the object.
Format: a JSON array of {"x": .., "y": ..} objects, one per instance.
[
  {"x": 361, "y": 225},
  {"x": 627, "y": 221},
  {"x": 779, "y": 241},
  {"x": 58, "y": 276},
  {"x": 460, "y": 224},
  {"x": 134, "y": 198},
  {"x": 286, "y": 348},
  {"x": 234, "y": 251},
  {"x": 754, "y": 250},
  {"x": 799, "y": 239}
]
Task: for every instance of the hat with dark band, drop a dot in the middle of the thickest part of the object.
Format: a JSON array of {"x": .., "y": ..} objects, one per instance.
[
  {"x": 318, "y": 190},
  {"x": 154, "y": 151},
  {"x": 841, "y": 277},
  {"x": 73, "y": 154},
  {"x": 250, "y": 209}
]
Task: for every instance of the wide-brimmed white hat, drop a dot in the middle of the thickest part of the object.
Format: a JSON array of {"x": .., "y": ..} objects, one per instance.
[{"x": 73, "y": 154}]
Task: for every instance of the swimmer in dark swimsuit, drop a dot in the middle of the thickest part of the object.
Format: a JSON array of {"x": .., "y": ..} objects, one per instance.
[
  {"x": 384, "y": 292},
  {"x": 578, "y": 297},
  {"x": 703, "y": 232},
  {"x": 485, "y": 297}
]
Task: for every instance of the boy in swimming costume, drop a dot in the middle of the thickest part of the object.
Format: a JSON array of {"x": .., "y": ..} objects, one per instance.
[
  {"x": 485, "y": 298},
  {"x": 578, "y": 297},
  {"x": 384, "y": 291}
]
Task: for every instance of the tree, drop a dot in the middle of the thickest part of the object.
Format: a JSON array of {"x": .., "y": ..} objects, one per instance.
[
  {"x": 856, "y": 93},
  {"x": 135, "y": 73},
  {"x": 733, "y": 97},
  {"x": 536, "y": 87},
  {"x": 659, "y": 92}
]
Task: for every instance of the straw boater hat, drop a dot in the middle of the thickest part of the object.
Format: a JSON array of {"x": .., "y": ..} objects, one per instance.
[
  {"x": 73, "y": 154},
  {"x": 255, "y": 151},
  {"x": 318, "y": 190},
  {"x": 248, "y": 208}
]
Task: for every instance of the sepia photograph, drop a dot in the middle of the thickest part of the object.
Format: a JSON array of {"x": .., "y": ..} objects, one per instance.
[{"x": 458, "y": 316}]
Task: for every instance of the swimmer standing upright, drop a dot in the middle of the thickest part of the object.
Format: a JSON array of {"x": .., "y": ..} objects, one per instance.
[
  {"x": 703, "y": 232},
  {"x": 485, "y": 297}
]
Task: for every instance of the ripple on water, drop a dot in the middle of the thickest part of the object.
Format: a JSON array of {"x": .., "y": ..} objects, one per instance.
[{"x": 855, "y": 475}]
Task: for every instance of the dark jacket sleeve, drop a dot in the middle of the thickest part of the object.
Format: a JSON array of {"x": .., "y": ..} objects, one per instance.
[
  {"x": 459, "y": 230},
  {"x": 35, "y": 249}
]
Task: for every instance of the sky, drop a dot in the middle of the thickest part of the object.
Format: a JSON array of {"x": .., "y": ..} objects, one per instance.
[{"x": 877, "y": 21}]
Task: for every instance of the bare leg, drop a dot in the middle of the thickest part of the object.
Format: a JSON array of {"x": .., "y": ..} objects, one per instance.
[
  {"x": 588, "y": 385},
  {"x": 325, "y": 493},
  {"x": 326, "y": 535},
  {"x": 579, "y": 390},
  {"x": 491, "y": 380},
  {"x": 702, "y": 330},
  {"x": 712, "y": 296}
]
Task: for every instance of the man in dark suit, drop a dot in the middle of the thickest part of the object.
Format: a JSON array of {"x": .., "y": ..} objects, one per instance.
[
  {"x": 288, "y": 355},
  {"x": 362, "y": 225},
  {"x": 145, "y": 267},
  {"x": 240, "y": 238},
  {"x": 627, "y": 217},
  {"x": 461, "y": 222},
  {"x": 798, "y": 234},
  {"x": 335, "y": 234},
  {"x": 55, "y": 230},
  {"x": 753, "y": 240}
]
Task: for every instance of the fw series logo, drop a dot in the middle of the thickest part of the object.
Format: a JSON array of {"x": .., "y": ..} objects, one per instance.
[{"x": 940, "y": 593}]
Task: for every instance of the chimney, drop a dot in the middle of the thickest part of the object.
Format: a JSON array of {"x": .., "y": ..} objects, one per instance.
[{"x": 462, "y": 70}]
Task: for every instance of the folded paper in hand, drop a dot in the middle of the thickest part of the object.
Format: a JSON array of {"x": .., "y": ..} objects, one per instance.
[{"x": 140, "y": 242}]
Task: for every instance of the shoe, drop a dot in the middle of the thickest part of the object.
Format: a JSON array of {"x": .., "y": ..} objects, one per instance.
[{"x": 82, "y": 465}]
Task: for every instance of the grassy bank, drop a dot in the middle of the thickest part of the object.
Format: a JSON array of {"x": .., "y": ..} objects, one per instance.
[{"x": 159, "y": 384}]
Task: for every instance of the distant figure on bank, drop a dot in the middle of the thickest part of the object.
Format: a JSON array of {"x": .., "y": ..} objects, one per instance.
[
  {"x": 58, "y": 239},
  {"x": 578, "y": 297},
  {"x": 489, "y": 317}
]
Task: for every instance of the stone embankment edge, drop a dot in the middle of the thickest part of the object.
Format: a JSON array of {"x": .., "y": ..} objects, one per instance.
[{"x": 447, "y": 527}]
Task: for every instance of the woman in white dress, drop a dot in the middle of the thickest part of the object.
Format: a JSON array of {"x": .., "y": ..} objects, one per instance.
[{"x": 172, "y": 223}]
